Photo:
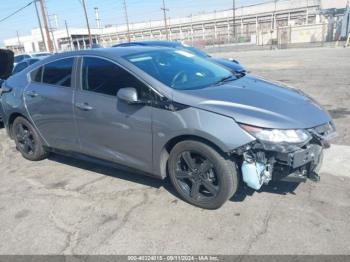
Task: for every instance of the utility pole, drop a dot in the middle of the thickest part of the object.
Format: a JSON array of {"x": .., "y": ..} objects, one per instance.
[
  {"x": 307, "y": 12},
  {"x": 68, "y": 35},
  {"x": 126, "y": 20},
  {"x": 165, "y": 20},
  {"x": 40, "y": 26},
  {"x": 19, "y": 41},
  {"x": 43, "y": 12},
  {"x": 274, "y": 22},
  {"x": 87, "y": 22},
  {"x": 97, "y": 17},
  {"x": 234, "y": 20}
]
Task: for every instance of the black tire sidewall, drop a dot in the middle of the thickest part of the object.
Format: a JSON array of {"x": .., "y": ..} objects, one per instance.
[
  {"x": 225, "y": 170},
  {"x": 39, "y": 153}
]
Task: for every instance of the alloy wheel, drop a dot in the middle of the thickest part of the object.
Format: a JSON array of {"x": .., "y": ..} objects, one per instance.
[
  {"x": 195, "y": 174},
  {"x": 25, "y": 139}
]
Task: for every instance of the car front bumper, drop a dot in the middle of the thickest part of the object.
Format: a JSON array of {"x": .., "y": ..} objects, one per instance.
[{"x": 262, "y": 162}]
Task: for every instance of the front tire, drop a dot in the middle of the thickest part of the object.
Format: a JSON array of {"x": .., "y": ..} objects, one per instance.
[
  {"x": 27, "y": 140},
  {"x": 201, "y": 175}
]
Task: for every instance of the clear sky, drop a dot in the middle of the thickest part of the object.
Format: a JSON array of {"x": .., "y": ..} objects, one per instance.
[{"x": 111, "y": 12}]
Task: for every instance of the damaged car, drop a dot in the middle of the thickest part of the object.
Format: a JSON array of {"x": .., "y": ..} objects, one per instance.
[{"x": 167, "y": 113}]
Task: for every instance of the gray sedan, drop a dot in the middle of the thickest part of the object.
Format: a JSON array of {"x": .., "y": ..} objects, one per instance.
[{"x": 167, "y": 112}]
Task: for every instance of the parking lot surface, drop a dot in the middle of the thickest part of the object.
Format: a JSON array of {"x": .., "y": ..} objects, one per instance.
[{"x": 67, "y": 206}]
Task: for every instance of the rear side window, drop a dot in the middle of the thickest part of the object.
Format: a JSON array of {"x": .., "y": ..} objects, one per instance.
[
  {"x": 105, "y": 77},
  {"x": 59, "y": 72},
  {"x": 36, "y": 75}
]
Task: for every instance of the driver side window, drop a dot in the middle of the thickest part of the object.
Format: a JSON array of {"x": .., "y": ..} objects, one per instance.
[{"x": 104, "y": 77}]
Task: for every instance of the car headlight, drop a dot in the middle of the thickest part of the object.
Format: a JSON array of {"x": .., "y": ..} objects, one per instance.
[{"x": 278, "y": 135}]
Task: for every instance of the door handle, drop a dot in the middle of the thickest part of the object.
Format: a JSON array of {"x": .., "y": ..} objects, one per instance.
[
  {"x": 32, "y": 94},
  {"x": 84, "y": 106}
]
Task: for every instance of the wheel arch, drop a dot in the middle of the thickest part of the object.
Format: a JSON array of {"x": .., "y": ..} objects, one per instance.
[
  {"x": 11, "y": 119},
  {"x": 165, "y": 152}
]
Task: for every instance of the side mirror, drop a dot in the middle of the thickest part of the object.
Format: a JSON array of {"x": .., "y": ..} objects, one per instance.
[{"x": 129, "y": 95}]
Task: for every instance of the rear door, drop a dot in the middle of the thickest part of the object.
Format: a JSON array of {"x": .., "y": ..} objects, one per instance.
[
  {"x": 110, "y": 128},
  {"x": 49, "y": 100}
]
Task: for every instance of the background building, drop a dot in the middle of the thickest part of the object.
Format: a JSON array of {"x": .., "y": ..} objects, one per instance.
[{"x": 278, "y": 22}]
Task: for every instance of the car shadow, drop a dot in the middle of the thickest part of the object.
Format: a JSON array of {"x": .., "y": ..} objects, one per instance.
[
  {"x": 115, "y": 171},
  {"x": 274, "y": 187},
  {"x": 124, "y": 173}
]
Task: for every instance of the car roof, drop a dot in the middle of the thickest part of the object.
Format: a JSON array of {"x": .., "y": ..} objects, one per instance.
[
  {"x": 151, "y": 43},
  {"x": 113, "y": 52}
]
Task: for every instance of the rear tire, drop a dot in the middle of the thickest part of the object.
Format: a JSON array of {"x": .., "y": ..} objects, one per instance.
[
  {"x": 201, "y": 175},
  {"x": 28, "y": 141}
]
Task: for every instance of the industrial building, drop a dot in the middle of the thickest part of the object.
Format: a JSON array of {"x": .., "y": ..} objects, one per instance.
[{"x": 280, "y": 22}]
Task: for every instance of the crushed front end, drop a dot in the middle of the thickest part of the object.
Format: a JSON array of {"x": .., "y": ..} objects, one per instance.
[{"x": 295, "y": 160}]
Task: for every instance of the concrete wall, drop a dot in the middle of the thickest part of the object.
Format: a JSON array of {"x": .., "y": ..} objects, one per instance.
[
  {"x": 308, "y": 33},
  {"x": 327, "y": 4}
]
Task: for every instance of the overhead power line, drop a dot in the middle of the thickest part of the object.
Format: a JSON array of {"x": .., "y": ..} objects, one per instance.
[{"x": 17, "y": 11}]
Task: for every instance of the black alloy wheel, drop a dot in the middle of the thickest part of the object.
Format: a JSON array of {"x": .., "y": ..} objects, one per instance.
[
  {"x": 27, "y": 139},
  {"x": 201, "y": 174},
  {"x": 196, "y": 176}
]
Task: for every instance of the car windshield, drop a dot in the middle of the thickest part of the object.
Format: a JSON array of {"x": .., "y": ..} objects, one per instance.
[
  {"x": 196, "y": 51},
  {"x": 180, "y": 69}
]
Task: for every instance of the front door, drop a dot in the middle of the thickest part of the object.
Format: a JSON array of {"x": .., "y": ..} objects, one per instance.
[
  {"x": 49, "y": 99},
  {"x": 110, "y": 128}
]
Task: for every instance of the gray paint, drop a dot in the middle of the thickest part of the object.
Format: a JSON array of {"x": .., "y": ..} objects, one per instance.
[{"x": 135, "y": 135}]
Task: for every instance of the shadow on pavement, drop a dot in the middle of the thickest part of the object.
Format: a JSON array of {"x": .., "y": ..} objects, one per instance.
[
  {"x": 274, "y": 187},
  {"x": 339, "y": 112},
  {"x": 116, "y": 171},
  {"x": 121, "y": 172}
]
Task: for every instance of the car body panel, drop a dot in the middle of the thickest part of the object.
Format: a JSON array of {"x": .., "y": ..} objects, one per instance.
[
  {"x": 254, "y": 101},
  {"x": 52, "y": 112},
  {"x": 220, "y": 130},
  {"x": 137, "y": 135},
  {"x": 114, "y": 130}
]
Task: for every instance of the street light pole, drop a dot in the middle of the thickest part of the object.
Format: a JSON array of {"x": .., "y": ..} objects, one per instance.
[
  {"x": 87, "y": 22},
  {"x": 234, "y": 20},
  {"x": 127, "y": 20},
  {"x": 165, "y": 20}
]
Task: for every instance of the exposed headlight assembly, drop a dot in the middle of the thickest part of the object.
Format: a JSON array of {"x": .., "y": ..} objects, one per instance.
[{"x": 278, "y": 135}]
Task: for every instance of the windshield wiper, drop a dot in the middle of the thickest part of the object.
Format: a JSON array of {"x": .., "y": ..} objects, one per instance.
[{"x": 226, "y": 79}]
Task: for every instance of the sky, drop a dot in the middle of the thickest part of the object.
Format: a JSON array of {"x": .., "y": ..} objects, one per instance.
[{"x": 111, "y": 12}]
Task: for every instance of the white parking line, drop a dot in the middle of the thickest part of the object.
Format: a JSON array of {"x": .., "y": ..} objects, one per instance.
[{"x": 337, "y": 161}]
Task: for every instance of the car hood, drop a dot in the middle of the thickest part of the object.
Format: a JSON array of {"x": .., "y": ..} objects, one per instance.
[{"x": 255, "y": 101}]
